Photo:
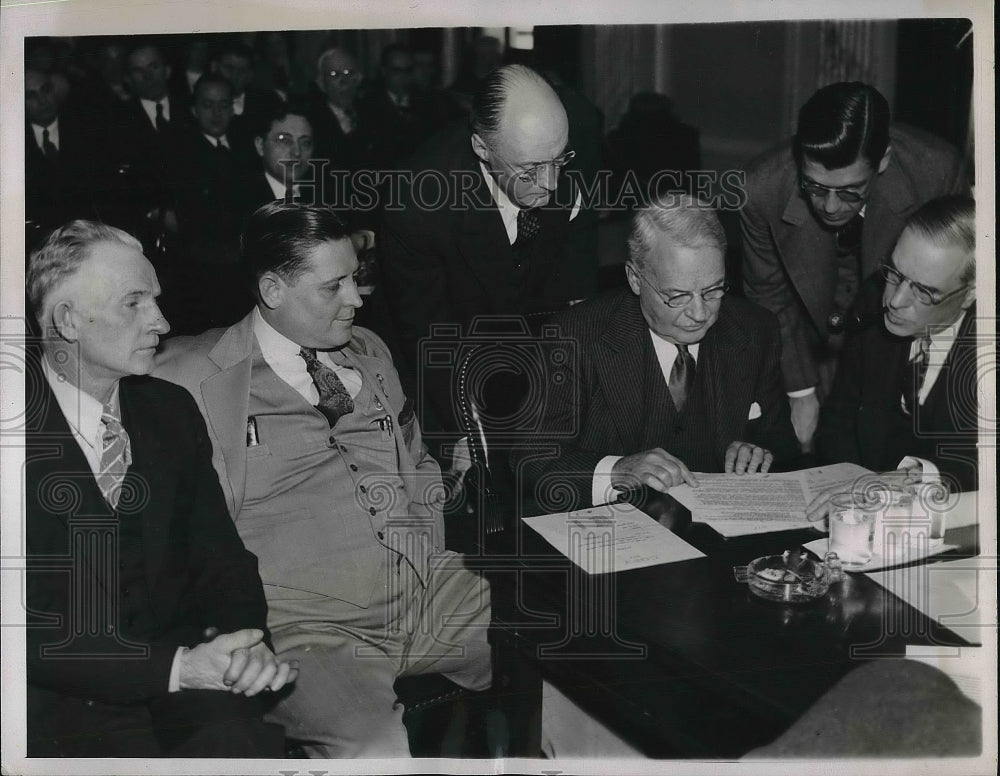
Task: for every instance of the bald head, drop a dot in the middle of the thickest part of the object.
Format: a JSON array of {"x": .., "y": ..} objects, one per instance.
[{"x": 520, "y": 131}]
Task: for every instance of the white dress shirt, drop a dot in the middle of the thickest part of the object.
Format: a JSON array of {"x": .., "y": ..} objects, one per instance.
[
  {"x": 53, "y": 129},
  {"x": 666, "y": 353},
  {"x": 508, "y": 210},
  {"x": 149, "y": 106},
  {"x": 343, "y": 119},
  {"x": 216, "y": 141},
  {"x": 278, "y": 187},
  {"x": 239, "y": 104},
  {"x": 282, "y": 355}
]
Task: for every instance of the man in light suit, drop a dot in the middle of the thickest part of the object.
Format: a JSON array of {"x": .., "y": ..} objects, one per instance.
[
  {"x": 146, "y": 630},
  {"x": 822, "y": 213},
  {"x": 905, "y": 393},
  {"x": 322, "y": 463},
  {"x": 670, "y": 376}
]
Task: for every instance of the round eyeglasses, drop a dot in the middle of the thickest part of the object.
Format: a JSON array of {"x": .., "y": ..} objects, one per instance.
[
  {"x": 684, "y": 298},
  {"x": 818, "y": 191},
  {"x": 920, "y": 292},
  {"x": 532, "y": 173}
]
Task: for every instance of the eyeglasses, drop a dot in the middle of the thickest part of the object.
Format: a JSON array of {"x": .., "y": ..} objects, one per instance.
[
  {"x": 531, "y": 174},
  {"x": 287, "y": 139},
  {"x": 345, "y": 76},
  {"x": 920, "y": 292},
  {"x": 683, "y": 299},
  {"x": 816, "y": 190}
]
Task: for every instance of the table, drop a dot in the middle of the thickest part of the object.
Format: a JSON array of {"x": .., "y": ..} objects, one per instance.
[{"x": 679, "y": 659}]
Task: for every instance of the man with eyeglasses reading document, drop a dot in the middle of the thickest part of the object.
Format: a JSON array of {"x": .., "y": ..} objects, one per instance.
[
  {"x": 822, "y": 211},
  {"x": 671, "y": 376},
  {"x": 905, "y": 392}
]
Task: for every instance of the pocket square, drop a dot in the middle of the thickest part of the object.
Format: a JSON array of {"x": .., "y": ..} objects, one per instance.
[{"x": 754, "y": 411}]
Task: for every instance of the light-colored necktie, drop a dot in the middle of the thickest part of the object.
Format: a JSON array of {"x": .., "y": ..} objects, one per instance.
[{"x": 116, "y": 456}]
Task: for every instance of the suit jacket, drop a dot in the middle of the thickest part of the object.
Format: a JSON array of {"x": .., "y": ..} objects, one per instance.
[
  {"x": 599, "y": 398},
  {"x": 858, "y": 419},
  {"x": 216, "y": 368},
  {"x": 197, "y": 571},
  {"x": 789, "y": 265},
  {"x": 451, "y": 263}
]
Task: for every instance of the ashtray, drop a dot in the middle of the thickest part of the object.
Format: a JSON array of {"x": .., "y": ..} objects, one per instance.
[{"x": 791, "y": 577}]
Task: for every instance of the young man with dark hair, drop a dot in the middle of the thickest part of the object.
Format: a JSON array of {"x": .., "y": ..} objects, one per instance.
[{"x": 822, "y": 211}]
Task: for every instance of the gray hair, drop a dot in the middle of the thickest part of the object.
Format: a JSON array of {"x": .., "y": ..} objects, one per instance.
[
  {"x": 61, "y": 255},
  {"x": 949, "y": 221},
  {"x": 683, "y": 219},
  {"x": 327, "y": 53}
]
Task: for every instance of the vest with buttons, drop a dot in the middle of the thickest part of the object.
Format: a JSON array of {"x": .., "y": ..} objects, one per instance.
[
  {"x": 136, "y": 617},
  {"x": 314, "y": 493}
]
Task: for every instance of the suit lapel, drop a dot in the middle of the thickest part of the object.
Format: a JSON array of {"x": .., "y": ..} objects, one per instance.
[
  {"x": 722, "y": 355},
  {"x": 892, "y": 198},
  {"x": 807, "y": 255},
  {"x": 618, "y": 354},
  {"x": 226, "y": 398}
]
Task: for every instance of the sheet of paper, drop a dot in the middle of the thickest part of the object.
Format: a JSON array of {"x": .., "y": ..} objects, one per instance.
[
  {"x": 901, "y": 554},
  {"x": 952, "y": 592},
  {"x": 614, "y": 537},
  {"x": 738, "y": 504}
]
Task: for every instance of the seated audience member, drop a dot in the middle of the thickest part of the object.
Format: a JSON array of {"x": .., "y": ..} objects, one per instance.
[
  {"x": 194, "y": 62},
  {"x": 480, "y": 59},
  {"x": 341, "y": 135},
  {"x": 234, "y": 61},
  {"x": 61, "y": 179},
  {"x": 670, "y": 375},
  {"x": 905, "y": 392},
  {"x": 284, "y": 143},
  {"x": 209, "y": 182},
  {"x": 821, "y": 213},
  {"x": 326, "y": 475},
  {"x": 146, "y": 626}
]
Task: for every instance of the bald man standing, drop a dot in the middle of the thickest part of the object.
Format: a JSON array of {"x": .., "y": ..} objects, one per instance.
[{"x": 481, "y": 222}]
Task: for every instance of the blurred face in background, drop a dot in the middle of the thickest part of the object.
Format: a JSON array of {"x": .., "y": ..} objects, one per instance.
[
  {"x": 146, "y": 74},
  {"x": 398, "y": 72},
  {"x": 237, "y": 70},
  {"x": 290, "y": 139},
  {"x": 339, "y": 78},
  {"x": 213, "y": 108},
  {"x": 40, "y": 103}
]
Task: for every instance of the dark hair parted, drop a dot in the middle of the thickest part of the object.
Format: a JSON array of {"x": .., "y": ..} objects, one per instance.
[
  {"x": 210, "y": 79},
  {"x": 279, "y": 236},
  {"x": 841, "y": 123},
  {"x": 279, "y": 111}
]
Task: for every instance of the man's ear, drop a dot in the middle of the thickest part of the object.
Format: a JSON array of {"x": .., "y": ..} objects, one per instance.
[
  {"x": 64, "y": 320},
  {"x": 632, "y": 277},
  {"x": 258, "y": 143},
  {"x": 479, "y": 147},
  {"x": 271, "y": 289},
  {"x": 884, "y": 162},
  {"x": 970, "y": 296}
]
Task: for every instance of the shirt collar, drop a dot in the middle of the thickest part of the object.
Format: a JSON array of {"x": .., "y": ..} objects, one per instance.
[
  {"x": 668, "y": 350},
  {"x": 942, "y": 339},
  {"x": 150, "y": 107},
  {"x": 216, "y": 140},
  {"x": 81, "y": 410},
  {"x": 278, "y": 187},
  {"x": 53, "y": 129},
  {"x": 239, "y": 103},
  {"x": 275, "y": 346},
  {"x": 508, "y": 210}
]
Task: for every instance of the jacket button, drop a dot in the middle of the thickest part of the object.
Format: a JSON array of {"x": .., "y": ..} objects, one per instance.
[
  {"x": 380, "y": 535},
  {"x": 371, "y": 510},
  {"x": 362, "y": 488},
  {"x": 333, "y": 440},
  {"x": 354, "y": 468}
]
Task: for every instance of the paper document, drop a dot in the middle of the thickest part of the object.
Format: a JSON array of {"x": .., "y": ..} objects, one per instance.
[
  {"x": 952, "y": 592},
  {"x": 614, "y": 537},
  {"x": 738, "y": 504}
]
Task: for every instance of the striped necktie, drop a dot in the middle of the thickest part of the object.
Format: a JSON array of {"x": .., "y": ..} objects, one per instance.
[{"x": 116, "y": 456}]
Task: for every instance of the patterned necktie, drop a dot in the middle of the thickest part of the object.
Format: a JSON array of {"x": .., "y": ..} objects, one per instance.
[
  {"x": 334, "y": 400},
  {"x": 916, "y": 371},
  {"x": 681, "y": 381},
  {"x": 161, "y": 120},
  {"x": 48, "y": 147},
  {"x": 116, "y": 456},
  {"x": 528, "y": 226}
]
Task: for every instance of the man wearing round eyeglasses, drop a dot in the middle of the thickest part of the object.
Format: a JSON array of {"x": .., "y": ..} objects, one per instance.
[
  {"x": 821, "y": 213},
  {"x": 340, "y": 131},
  {"x": 670, "y": 377},
  {"x": 905, "y": 392},
  {"x": 482, "y": 221}
]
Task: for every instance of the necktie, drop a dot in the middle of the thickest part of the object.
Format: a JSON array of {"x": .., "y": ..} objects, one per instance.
[
  {"x": 161, "y": 120},
  {"x": 48, "y": 147},
  {"x": 913, "y": 379},
  {"x": 116, "y": 456},
  {"x": 221, "y": 146},
  {"x": 528, "y": 226},
  {"x": 848, "y": 237},
  {"x": 334, "y": 400},
  {"x": 681, "y": 381}
]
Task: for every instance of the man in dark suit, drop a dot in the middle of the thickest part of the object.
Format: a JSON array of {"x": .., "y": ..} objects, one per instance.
[
  {"x": 481, "y": 223},
  {"x": 905, "y": 393},
  {"x": 821, "y": 214},
  {"x": 147, "y": 619},
  {"x": 341, "y": 135},
  {"x": 61, "y": 179},
  {"x": 670, "y": 376}
]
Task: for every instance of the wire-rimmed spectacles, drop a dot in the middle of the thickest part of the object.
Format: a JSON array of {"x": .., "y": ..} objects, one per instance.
[
  {"x": 921, "y": 293},
  {"x": 684, "y": 298},
  {"x": 532, "y": 173}
]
